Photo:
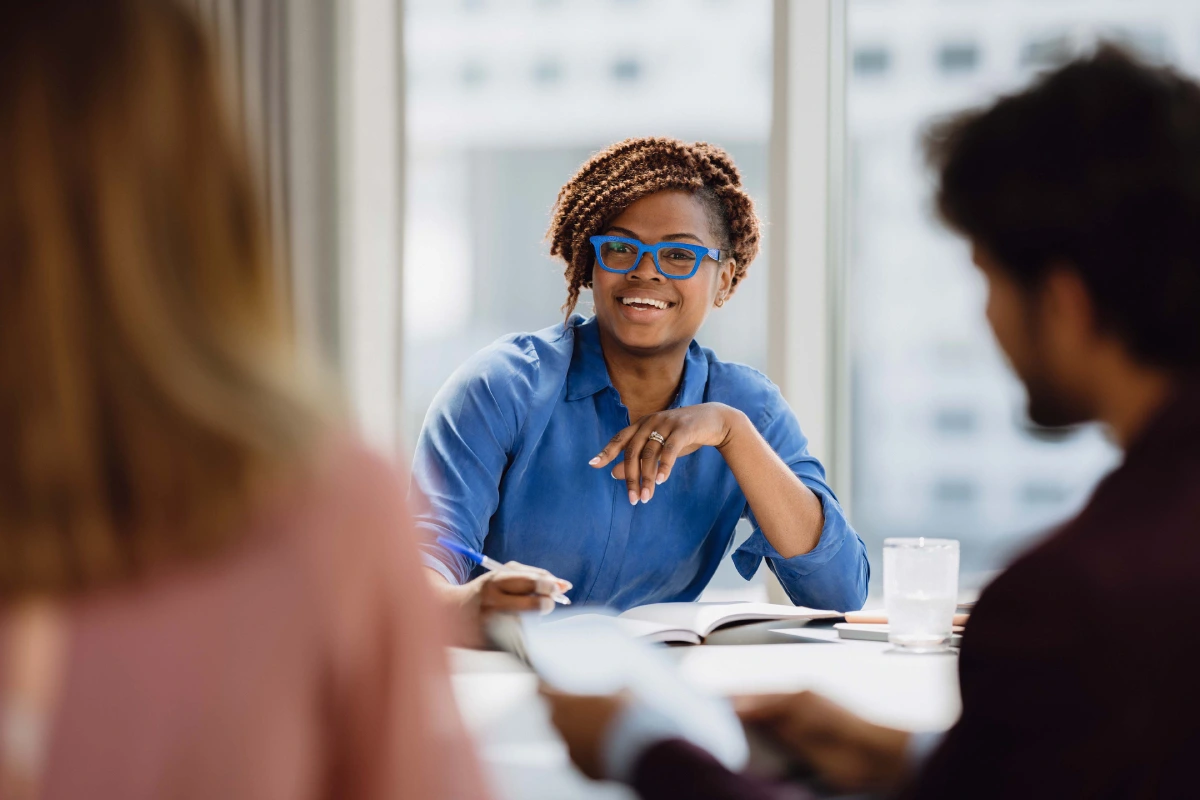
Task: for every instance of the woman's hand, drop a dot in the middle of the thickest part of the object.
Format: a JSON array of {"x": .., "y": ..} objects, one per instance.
[
  {"x": 849, "y": 753},
  {"x": 648, "y": 462},
  {"x": 523, "y": 589}
]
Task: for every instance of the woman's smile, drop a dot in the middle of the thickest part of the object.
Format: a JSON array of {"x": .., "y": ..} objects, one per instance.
[{"x": 643, "y": 306}]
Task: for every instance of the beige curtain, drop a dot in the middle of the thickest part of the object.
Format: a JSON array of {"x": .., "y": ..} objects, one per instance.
[{"x": 278, "y": 59}]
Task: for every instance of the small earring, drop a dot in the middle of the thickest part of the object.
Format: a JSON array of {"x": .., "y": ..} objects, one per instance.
[{"x": 720, "y": 302}]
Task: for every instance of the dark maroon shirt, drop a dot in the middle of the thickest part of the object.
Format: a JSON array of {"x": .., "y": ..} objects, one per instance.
[{"x": 1079, "y": 672}]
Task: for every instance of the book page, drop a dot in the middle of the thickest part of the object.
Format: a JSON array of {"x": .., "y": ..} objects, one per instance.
[
  {"x": 636, "y": 628},
  {"x": 704, "y": 618}
]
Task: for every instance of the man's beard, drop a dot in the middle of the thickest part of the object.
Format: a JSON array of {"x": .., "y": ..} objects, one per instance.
[{"x": 1048, "y": 406}]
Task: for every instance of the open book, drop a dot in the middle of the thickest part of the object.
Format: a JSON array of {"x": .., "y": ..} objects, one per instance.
[{"x": 689, "y": 623}]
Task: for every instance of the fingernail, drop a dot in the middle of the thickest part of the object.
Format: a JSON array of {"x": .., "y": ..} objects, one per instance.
[
  {"x": 645, "y": 495},
  {"x": 633, "y": 498},
  {"x": 594, "y": 461},
  {"x": 658, "y": 479}
]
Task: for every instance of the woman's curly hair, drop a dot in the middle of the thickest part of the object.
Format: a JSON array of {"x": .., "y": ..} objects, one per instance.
[{"x": 623, "y": 173}]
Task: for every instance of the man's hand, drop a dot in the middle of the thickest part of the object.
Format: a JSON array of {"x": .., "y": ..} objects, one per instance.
[
  {"x": 583, "y": 721},
  {"x": 849, "y": 753}
]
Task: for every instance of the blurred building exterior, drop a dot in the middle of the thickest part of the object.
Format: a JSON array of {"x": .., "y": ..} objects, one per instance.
[{"x": 941, "y": 446}]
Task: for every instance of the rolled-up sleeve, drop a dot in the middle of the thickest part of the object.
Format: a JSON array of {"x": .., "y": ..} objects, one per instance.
[
  {"x": 835, "y": 573},
  {"x": 463, "y": 450}
]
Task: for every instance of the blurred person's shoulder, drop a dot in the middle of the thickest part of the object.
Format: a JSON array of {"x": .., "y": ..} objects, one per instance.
[
  {"x": 335, "y": 506},
  {"x": 312, "y": 546},
  {"x": 329, "y": 506},
  {"x": 344, "y": 460},
  {"x": 1129, "y": 560},
  {"x": 348, "y": 521},
  {"x": 346, "y": 478}
]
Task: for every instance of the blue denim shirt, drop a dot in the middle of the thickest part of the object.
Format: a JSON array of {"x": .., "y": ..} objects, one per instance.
[{"x": 502, "y": 463}]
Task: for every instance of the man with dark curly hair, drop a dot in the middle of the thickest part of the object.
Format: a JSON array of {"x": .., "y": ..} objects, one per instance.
[{"x": 614, "y": 452}]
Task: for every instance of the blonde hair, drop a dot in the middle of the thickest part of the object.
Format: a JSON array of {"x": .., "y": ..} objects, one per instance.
[{"x": 149, "y": 388}]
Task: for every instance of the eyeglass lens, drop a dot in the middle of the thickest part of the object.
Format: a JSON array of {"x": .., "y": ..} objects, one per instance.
[{"x": 672, "y": 260}]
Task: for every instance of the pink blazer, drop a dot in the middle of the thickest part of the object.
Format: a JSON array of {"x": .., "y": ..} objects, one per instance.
[{"x": 306, "y": 663}]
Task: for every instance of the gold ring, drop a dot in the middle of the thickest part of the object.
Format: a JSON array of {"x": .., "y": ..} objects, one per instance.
[{"x": 658, "y": 437}]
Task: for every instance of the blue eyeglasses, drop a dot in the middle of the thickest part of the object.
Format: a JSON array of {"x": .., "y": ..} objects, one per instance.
[{"x": 674, "y": 260}]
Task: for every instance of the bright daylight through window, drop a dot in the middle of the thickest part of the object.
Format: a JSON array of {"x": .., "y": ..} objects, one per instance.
[
  {"x": 504, "y": 103},
  {"x": 941, "y": 446}
]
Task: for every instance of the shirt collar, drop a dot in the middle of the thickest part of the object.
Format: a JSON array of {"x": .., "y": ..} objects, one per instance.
[
  {"x": 588, "y": 373},
  {"x": 695, "y": 378}
]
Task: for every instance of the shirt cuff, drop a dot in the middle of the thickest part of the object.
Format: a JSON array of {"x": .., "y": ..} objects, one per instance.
[
  {"x": 833, "y": 534},
  {"x": 832, "y": 575},
  {"x": 921, "y": 746},
  {"x": 636, "y": 729}
]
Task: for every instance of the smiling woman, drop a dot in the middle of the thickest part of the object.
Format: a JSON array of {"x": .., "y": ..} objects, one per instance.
[{"x": 532, "y": 447}]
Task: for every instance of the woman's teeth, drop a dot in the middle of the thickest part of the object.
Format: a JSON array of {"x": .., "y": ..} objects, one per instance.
[{"x": 643, "y": 301}]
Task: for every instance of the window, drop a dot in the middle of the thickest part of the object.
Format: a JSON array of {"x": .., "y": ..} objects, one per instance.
[
  {"x": 871, "y": 61},
  {"x": 473, "y": 74},
  {"x": 957, "y": 59},
  {"x": 1044, "y": 492},
  {"x": 940, "y": 444},
  {"x": 503, "y": 104},
  {"x": 955, "y": 421},
  {"x": 1046, "y": 51},
  {"x": 547, "y": 71},
  {"x": 488, "y": 148},
  {"x": 627, "y": 69},
  {"x": 951, "y": 493}
]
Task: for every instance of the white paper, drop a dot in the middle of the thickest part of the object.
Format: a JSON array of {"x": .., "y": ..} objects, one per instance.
[{"x": 592, "y": 655}]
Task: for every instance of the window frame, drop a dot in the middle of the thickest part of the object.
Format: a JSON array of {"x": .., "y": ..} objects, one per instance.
[{"x": 808, "y": 353}]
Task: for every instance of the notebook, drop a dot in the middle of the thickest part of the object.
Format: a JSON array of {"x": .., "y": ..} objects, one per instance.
[{"x": 689, "y": 623}]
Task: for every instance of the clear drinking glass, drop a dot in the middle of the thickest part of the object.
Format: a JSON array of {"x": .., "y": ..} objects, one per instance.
[{"x": 920, "y": 591}]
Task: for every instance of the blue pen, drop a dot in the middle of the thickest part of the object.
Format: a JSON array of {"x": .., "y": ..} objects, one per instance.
[{"x": 490, "y": 564}]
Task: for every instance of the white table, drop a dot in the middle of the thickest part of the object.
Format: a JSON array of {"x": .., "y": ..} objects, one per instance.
[{"x": 527, "y": 760}]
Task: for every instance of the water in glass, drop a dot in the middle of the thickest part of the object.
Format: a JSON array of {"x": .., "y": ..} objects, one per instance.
[{"x": 920, "y": 587}]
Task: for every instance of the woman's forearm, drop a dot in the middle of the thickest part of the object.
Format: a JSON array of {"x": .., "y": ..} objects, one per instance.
[{"x": 788, "y": 512}]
